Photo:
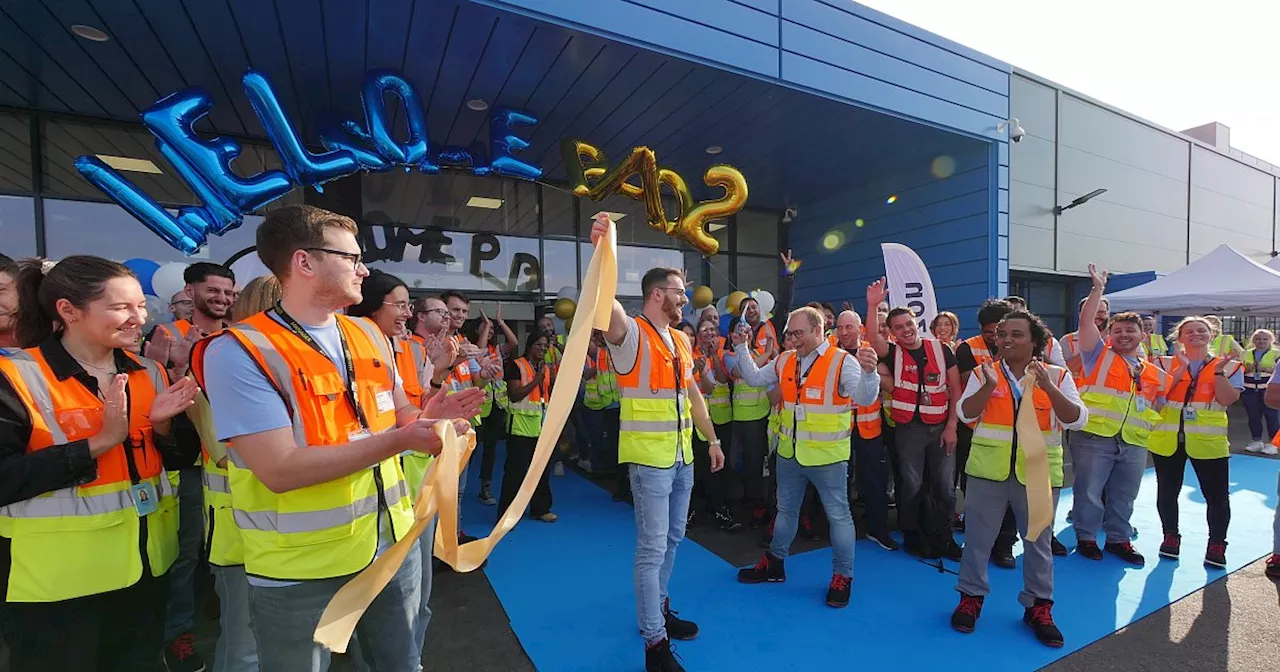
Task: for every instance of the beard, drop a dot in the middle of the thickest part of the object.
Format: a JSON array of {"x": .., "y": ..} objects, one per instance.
[
  {"x": 217, "y": 313},
  {"x": 339, "y": 292},
  {"x": 672, "y": 310}
]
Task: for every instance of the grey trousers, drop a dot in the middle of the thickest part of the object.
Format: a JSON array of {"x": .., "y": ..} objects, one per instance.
[
  {"x": 920, "y": 453},
  {"x": 984, "y": 507}
]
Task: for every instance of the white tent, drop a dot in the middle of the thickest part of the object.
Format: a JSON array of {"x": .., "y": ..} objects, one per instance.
[
  {"x": 1274, "y": 263},
  {"x": 1223, "y": 281}
]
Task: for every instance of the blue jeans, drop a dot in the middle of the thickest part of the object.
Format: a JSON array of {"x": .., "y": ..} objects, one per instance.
[
  {"x": 285, "y": 619},
  {"x": 237, "y": 650},
  {"x": 426, "y": 547},
  {"x": 1111, "y": 466},
  {"x": 1258, "y": 411},
  {"x": 832, "y": 483},
  {"x": 662, "y": 507},
  {"x": 180, "y": 614}
]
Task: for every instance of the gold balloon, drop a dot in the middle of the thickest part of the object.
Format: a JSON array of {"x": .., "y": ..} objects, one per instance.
[
  {"x": 702, "y": 297},
  {"x": 693, "y": 226},
  {"x": 564, "y": 308},
  {"x": 734, "y": 302}
]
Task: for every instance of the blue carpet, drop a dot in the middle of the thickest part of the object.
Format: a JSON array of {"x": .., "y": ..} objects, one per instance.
[{"x": 567, "y": 588}]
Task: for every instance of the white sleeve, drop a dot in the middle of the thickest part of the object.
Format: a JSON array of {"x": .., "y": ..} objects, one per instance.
[
  {"x": 627, "y": 352},
  {"x": 971, "y": 388},
  {"x": 1055, "y": 353},
  {"x": 1069, "y": 390}
]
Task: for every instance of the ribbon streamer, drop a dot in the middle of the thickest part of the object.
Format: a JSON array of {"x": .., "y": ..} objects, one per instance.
[
  {"x": 1036, "y": 463},
  {"x": 439, "y": 492}
]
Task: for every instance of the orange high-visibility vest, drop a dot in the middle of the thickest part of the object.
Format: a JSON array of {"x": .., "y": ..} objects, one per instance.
[
  {"x": 763, "y": 334},
  {"x": 821, "y": 437},
  {"x": 656, "y": 422},
  {"x": 867, "y": 420},
  {"x": 84, "y": 539},
  {"x": 411, "y": 359}
]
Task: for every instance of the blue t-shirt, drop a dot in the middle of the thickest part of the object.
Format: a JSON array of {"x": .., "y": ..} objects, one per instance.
[{"x": 245, "y": 402}]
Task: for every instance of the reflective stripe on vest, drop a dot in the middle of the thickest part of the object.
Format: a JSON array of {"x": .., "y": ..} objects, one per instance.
[
  {"x": 1257, "y": 373},
  {"x": 906, "y": 396},
  {"x": 993, "y": 438},
  {"x": 324, "y": 530},
  {"x": 1112, "y": 396},
  {"x": 1206, "y": 434},
  {"x": 822, "y": 436},
  {"x": 528, "y": 414},
  {"x": 655, "y": 422},
  {"x": 84, "y": 540}
]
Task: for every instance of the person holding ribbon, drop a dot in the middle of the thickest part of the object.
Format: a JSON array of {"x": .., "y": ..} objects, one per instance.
[
  {"x": 661, "y": 404},
  {"x": 87, "y": 512},
  {"x": 819, "y": 383},
  {"x": 1193, "y": 426},
  {"x": 1000, "y": 467},
  {"x": 315, "y": 415}
]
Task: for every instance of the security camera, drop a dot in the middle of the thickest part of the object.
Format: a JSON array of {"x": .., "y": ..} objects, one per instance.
[
  {"x": 789, "y": 215},
  {"x": 1015, "y": 129}
]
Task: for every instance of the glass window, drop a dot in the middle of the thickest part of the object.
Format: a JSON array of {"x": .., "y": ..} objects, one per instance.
[
  {"x": 15, "y": 153},
  {"x": 631, "y": 219},
  {"x": 561, "y": 270},
  {"x": 445, "y": 259},
  {"x": 633, "y": 262},
  {"x": 18, "y": 226},
  {"x": 106, "y": 230},
  {"x": 451, "y": 200},
  {"x": 758, "y": 273},
  {"x": 757, "y": 231},
  {"x": 557, "y": 214},
  {"x": 720, "y": 284}
]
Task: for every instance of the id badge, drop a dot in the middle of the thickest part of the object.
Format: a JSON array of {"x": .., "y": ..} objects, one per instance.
[
  {"x": 800, "y": 413},
  {"x": 1189, "y": 414},
  {"x": 358, "y": 435},
  {"x": 1141, "y": 404},
  {"x": 145, "y": 498},
  {"x": 385, "y": 402}
]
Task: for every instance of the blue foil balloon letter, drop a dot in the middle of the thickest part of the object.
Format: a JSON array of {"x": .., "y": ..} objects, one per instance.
[
  {"x": 414, "y": 151},
  {"x": 206, "y": 165},
  {"x": 304, "y": 167},
  {"x": 505, "y": 144},
  {"x": 186, "y": 233}
]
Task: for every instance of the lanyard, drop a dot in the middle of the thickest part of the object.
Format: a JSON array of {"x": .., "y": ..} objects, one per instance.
[
  {"x": 1014, "y": 388},
  {"x": 1195, "y": 378},
  {"x": 350, "y": 366},
  {"x": 800, "y": 377}
]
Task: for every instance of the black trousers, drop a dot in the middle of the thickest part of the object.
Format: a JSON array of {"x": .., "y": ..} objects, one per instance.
[
  {"x": 492, "y": 429},
  {"x": 871, "y": 471},
  {"x": 1214, "y": 486},
  {"x": 711, "y": 485},
  {"x": 519, "y": 457},
  {"x": 120, "y": 630},
  {"x": 612, "y": 424}
]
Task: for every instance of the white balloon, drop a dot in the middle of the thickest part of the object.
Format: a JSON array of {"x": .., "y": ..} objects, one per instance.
[
  {"x": 247, "y": 268},
  {"x": 764, "y": 299},
  {"x": 722, "y": 306},
  {"x": 568, "y": 292},
  {"x": 167, "y": 280},
  {"x": 157, "y": 312}
]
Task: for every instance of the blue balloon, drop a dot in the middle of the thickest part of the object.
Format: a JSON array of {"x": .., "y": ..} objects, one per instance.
[
  {"x": 304, "y": 167},
  {"x": 186, "y": 233},
  {"x": 505, "y": 144},
  {"x": 416, "y": 150},
  {"x": 725, "y": 321},
  {"x": 351, "y": 136},
  {"x": 144, "y": 269},
  {"x": 171, "y": 120}
]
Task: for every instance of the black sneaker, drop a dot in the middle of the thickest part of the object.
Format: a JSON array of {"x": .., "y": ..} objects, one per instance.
[
  {"x": 953, "y": 551},
  {"x": 1273, "y": 566},
  {"x": 957, "y": 523},
  {"x": 725, "y": 520},
  {"x": 965, "y": 617},
  {"x": 838, "y": 591},
  {"x": 1002, "y": 557},
  {"x": 660, "y": 657},
  {"x": 1216, "y": 555},
  {"x": 917, "y": 545},
  {"x": 883, "y": 540},
  {"x": 1171, "y": 545},
  {"x": 485, "y": 497},
  {"x": 1089, "y": 549},
  {"x": 180, "y": 655},
  {"x": 1057, "y": 547},
  {"x": 768, "y": 570},
  {"x": 1040, "y": 618},
  {"x": 757, "y": 517},
  {"x": 1126, "y": 552},
  {"x": 678, "y": 628}
]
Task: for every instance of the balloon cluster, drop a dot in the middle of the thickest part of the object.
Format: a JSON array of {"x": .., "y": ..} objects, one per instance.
[
  {"x": 593, "y": 179},
  {"x": 566, "y": 304},
  {"x": 351, "y": 147}
]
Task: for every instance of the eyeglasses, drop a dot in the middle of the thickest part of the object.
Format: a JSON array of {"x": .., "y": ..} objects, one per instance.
[
  {"x": 443, "y": 312},
  {"x": 183, "y": 302},
  {"x": 356, "y": 259},
  {"x": 677, "y": 289},
  {"x": 795, "y": 333},
  {"x": 402, "y": 306}
]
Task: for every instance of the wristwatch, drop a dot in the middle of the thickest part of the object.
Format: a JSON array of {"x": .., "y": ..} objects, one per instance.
[{"x": 715, "y": 443}]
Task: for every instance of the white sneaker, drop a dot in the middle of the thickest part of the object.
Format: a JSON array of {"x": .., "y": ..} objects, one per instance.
[
  {"x": 1254, "y": 447},
  {"x": 558, "y": 470},
  {"x": 1268, "y": 449},
  {"x": 585, "y": 465}
]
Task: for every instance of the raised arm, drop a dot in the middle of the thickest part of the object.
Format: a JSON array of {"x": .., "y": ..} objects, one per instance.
[
  {"x": 1088, "y": 335},
  {"x": 876, "y": 294}
]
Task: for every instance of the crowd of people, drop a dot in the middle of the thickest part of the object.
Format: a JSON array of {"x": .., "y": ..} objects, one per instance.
[{"x": 277, "y": 433}]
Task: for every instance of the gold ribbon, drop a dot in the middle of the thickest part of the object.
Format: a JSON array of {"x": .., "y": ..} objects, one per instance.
[
  {"x": 1036, "y": 462},
  {"x": 439, "y": 492}
]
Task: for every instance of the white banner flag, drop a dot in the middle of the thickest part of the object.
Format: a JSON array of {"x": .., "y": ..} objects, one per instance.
[{"x": 909, "y": 284}]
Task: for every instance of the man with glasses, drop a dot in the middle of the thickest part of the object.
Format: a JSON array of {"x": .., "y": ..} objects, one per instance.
[
  {"x": 819, "y": 384},
  {"x": 181, "y": 306},
  {"x": 315, "y": 416}
]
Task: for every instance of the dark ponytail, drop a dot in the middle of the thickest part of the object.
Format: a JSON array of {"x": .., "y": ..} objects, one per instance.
[{"x": 79, "y": 279}]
